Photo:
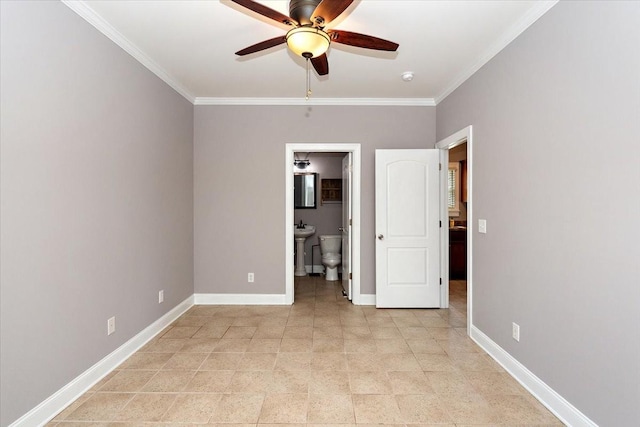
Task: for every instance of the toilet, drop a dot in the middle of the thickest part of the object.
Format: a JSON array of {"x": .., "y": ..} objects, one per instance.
[{"x": 330, "y": 250}]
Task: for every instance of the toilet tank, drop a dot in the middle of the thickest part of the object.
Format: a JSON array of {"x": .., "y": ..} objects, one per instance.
[{"x": 330, "y": 243}]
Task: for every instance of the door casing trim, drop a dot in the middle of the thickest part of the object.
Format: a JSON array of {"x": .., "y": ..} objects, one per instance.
[
  {"x": 458, "y": 138},
  {"x": 355, "y": 150}
]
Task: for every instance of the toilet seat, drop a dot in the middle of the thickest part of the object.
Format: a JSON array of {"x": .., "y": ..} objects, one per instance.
[
  {"x": 331, "y": 259},
  {"x": 331, "y": 255}
]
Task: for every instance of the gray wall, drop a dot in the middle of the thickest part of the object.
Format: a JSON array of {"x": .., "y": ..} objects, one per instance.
[
  {"x": 98, "y": 200},
  {"x": 97, "y": 205},
  {"x": 328, "y": 216},
  {"x": 239, "y": 181},
  {"x": 555, "y": 131}
]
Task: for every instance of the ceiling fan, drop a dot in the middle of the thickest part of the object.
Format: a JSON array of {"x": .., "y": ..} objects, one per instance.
[{"x": 309, "y": 38}]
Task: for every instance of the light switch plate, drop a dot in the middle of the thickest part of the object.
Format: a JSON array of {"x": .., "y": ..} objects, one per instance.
[{"x": 482, "y": 226}]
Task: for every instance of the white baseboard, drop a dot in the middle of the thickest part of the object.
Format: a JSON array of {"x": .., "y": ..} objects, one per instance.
[
  {"x": 365, "y": 299},
  {"x": 314, "y": 268},
  {"x": 240, "y": 299},
  {"x": 558, "y": 405},
  {"x": 55, "y": 403}
]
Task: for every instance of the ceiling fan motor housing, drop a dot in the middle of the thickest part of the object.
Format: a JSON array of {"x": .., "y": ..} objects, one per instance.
[{"x": 301, "y": 10}]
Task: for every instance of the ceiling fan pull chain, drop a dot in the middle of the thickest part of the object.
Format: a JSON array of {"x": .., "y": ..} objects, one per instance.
[{"x": 308, "y": 82}]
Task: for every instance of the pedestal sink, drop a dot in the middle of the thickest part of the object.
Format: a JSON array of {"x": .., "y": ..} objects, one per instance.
[{"x": 300, "y": 235}]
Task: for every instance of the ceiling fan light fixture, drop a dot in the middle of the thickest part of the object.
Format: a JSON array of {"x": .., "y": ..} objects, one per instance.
[{"x": 308, "y": 42}]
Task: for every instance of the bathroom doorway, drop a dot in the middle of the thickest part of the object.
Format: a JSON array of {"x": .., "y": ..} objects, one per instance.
[
  {"x": 332, "y": 207},
  {"x": 464, "y": 136}
]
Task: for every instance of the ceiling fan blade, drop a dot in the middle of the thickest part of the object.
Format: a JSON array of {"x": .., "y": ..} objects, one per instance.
[
  {"x": 330, "y": 9},
  {"x": 362, "y": 40},
  {"x": 265, "y": 11},
  {"x": 321, "y": 64},
  {"x": 262, "y": 45}
]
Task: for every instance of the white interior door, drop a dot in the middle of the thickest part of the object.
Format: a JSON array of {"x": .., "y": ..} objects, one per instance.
[
  {"x": 346, "y": 224},
  {"x": 407, "y": 228}
]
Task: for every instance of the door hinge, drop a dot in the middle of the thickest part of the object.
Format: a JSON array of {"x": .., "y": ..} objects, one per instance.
[
  {"x": 441, "y": 281},
  {"x": 350, "y": 276},
  {"x": 439, "y": 166},
  {"x": 350, "y": 223},
  {"x": 440, "y": 224}
]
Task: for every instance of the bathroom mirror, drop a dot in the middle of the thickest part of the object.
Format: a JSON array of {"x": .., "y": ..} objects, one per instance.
[{"x": 304, "y": 190}]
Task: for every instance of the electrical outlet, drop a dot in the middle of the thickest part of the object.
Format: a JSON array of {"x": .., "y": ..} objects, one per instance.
[
  {"x": 482, "y": 226},
  {"x": 111, "y": 325},
  {"x": 160, "y": 297},
  {"x": 250, "y": 277},
  {"x": 515, "y": 331}
]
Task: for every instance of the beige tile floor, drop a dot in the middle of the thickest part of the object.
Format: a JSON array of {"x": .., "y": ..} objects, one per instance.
[{"x": 321, "y": 361}]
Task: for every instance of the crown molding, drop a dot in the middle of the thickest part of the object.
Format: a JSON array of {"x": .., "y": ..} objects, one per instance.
[
  {"x": 404, "y": 102},
  {"x": 88, "y": 14},
  {"x": 539, "y": 9},
  {"x": 81, "y": 8}
]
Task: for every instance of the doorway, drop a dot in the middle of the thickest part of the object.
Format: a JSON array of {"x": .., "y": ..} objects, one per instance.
[
  {"x": 463, "y": 136},
  {"x": 290, "y": 152}
]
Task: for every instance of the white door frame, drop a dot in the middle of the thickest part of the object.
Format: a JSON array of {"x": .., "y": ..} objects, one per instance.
[
  {"x": 458, "y": 138},
  {"x": 345, "y": 233},
  {"x": 290, "y": 151}
]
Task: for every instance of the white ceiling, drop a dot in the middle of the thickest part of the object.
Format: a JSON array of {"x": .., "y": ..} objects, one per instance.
[{"x": 191, "y": 45}]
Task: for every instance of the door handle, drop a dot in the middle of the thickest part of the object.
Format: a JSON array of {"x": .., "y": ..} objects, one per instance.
[
  {"x": 340, "y": 228},
  {"x": 380, "y": 237}
]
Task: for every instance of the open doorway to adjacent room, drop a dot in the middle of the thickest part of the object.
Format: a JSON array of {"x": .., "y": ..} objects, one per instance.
[
  {"x": 458, "y": 239},
  {"x": 332, "y": 210}
]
